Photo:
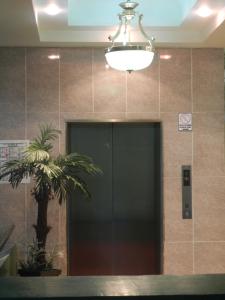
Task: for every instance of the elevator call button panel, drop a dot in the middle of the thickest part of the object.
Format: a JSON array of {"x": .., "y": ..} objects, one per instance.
[{"x": 186, "y": 192}]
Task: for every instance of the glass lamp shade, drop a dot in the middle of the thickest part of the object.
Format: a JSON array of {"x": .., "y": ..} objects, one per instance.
[{"x": 129, "y": 58}]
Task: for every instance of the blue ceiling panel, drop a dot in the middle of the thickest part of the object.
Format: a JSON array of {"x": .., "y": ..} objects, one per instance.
[{"x": 157, "y": 13}]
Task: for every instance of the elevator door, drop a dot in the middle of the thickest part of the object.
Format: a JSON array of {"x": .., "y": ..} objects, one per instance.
[{"x": 117, "y": 232}]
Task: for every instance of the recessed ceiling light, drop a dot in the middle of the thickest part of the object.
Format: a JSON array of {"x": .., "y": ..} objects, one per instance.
[
  {"x": 204, "y": 11},
  {"x": 165, "y": 56},
  {"x": 220, "y": 17},
  {"x": 54, "y": 56},
  {"x": 52, "y": 10}
]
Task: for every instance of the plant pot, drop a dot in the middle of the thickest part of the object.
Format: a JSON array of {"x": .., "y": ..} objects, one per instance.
[
  {"x": 52, "y": 272},
  {"x": 26, "y": 273}
]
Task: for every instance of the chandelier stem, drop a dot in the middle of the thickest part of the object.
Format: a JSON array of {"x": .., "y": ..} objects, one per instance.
[
  {"x": 118, "y": 32},
  {"x": 149, "y": 39}
]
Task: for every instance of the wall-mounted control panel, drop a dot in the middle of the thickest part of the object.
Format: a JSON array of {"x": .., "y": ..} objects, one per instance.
[{"x": 186, "y": 192}]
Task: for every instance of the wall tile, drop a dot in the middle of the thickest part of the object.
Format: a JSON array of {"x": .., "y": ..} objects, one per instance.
[
  {"x": 39, "y": 55},
  {"x": 12, "y": 209},
  {"x": 34, "y": 120},
  {"x": 143, "y": 90},
  {"x": 178, "y": 258},
  {"x": 208, "y": 155},
  {"x": 177, "y": 146},
  {"x": 176, "y": 229},
  {"x": 12, "y": 79},
  {"x": 208, "y": 144},
  {"x": 76, "y": 80},
  {"x": 177, "y": 151},
  {"x": 12, "y": 126},
  {"x": 12, "y": 56},
  {"x": 209, "y": 208},
  {"x": 208, "y": 123},
  {"x": 175, "y": 81},
  {"x": 155, "y": 117},
  {"x": 42, "y": 80},
  {"x": 109, "y": 86},
  {"x": 92, "y": 116},
  {"x": 208, "y": 86},
  {"x": 209, "y": 258}
]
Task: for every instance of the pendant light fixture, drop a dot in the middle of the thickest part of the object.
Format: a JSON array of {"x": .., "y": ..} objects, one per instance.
[{"x": 129, "y": 56}]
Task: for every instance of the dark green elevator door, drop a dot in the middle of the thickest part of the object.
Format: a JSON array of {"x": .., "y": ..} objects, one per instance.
[{"x": 117, "y": 232}]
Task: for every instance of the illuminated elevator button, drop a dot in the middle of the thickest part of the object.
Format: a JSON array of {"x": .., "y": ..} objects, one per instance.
[{"x": 186, "y": 178}]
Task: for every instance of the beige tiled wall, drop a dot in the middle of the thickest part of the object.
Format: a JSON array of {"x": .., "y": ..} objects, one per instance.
[{"x": 35, "y": 90}]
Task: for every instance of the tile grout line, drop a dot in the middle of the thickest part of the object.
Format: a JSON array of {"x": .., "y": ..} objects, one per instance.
[
  {"x": 162, "y": 260},
  {"x": 92, "y": 80},
  {"x": 59, "y": 98},
  {"x": 183, "y": 242},
  {"x": 159, "y": 70},
  {"x": 179, "y": 242},
  {"x": 192, "y": 162},
  {"x": 223, "y": 112},
  {"x": 210, "y": 242},
  {"x": 192, "y": 98},
  {"x": 198, "y": 176},
  {"x": 59, "y": 116},
  {"x": 25, "y": 85},
  {"x": 126, "y": 106},
  {"x": 162, "y": 177},
  {"x": 25, "y": 94}
]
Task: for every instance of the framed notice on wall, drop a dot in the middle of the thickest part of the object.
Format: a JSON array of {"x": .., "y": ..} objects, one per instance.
[
  {"x": 12, "y": 149},
  {"x": 185, "y": 122}
]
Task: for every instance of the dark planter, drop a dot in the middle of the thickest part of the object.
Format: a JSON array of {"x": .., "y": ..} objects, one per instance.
[
  {"x": 52, "y": 272},
  {"x": 28, "y": 273}
]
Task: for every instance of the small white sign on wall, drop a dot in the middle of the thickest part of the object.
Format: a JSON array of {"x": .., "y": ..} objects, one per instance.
[
  {"x": 12, "y": 149},
  {"x": 185, "y": 122}
]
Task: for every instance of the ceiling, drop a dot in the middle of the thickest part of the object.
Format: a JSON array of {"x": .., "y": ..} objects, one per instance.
[{"x": 173, "y": 23}]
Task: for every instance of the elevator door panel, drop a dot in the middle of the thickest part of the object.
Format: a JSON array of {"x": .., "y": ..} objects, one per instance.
[
  {"x": 133, "y": 199},
  {"x": 133, "y": 173},
  {"x": 116, "y": 232},
  {"x": 90, "y": 221}
]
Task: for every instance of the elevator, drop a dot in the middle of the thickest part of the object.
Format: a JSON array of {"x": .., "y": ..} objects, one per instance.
[{"x": 118, "y": 230}]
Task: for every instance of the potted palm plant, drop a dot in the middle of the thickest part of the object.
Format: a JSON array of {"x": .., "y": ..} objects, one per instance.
[
  {"x": 34, "y": 265},
  {"x": 53, "y": 177}
]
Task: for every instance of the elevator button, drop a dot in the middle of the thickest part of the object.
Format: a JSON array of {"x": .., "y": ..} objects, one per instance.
[{"x": 186, "y": 192}]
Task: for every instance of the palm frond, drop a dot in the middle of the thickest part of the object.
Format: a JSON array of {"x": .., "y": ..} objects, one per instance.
[
  {"x": 50, "y": 169},
  {"x": 73, "y": 167},
  {"x": 16, "y": 170},
  {"x": 41, "y": 145},
  {"x": 47, "y": 133},
  {"x": 65, "y": 185},
  {"x": 39, "y": 148},
  {"x": 75, "y": 162},
  {"x": 33, "y": 154}
]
